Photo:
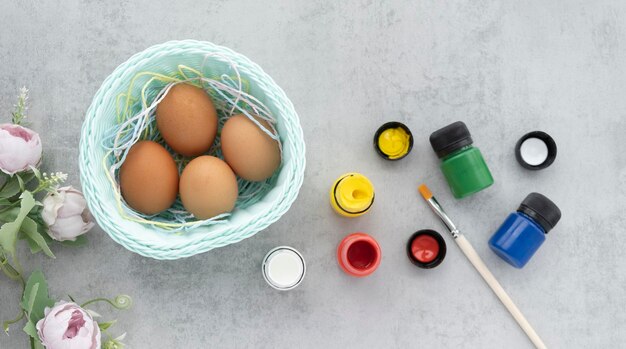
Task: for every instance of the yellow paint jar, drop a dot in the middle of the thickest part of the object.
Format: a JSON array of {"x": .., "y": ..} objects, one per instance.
[
  {"x": 352, "y": 195},
  {"x": 393, "y": 141}
]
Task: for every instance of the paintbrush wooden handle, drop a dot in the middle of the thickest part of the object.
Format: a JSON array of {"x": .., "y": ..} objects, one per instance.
[{"x": 478, "y": 263}]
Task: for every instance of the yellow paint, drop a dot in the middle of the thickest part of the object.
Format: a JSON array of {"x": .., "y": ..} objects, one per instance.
[
  {"x": 352, "y": 195},
  {"x": 394, "y": 142}
]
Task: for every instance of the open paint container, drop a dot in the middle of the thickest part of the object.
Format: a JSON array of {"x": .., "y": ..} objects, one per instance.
[
  {"x": 283, "y": 268},
  {"x": 535, "y": 150},
  {"x": 426, "y": 248},
  {"x": 393, "y": 141},
  {"x": 352, "y": 195},
  {"x": 358, "y": 254}
]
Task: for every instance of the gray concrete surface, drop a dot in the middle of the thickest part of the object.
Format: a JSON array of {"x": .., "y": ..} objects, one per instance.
[{"x": 504, "y": 67}]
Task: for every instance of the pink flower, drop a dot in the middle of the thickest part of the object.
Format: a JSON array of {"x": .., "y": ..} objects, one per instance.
[
  {"x": 66, "y": 214},
  {"x": 68, "y": 326},
  {"x": 20, "y": 148}
]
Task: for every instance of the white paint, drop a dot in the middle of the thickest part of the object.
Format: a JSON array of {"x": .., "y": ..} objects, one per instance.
[
  {"x": 283, "y": 268},
  {"x": 534, "y": 151}
]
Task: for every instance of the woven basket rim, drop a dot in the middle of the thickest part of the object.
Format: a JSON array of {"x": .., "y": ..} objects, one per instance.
[{"x": 110, "y": 220}]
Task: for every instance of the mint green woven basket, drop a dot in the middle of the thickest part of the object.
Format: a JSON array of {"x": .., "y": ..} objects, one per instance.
[{"x": 244, "y": 222}]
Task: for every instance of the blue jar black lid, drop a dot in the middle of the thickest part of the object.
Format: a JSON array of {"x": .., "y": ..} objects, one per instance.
[
  {"x": 542, "y": 210},
  {"x": 451, "y": 138}
]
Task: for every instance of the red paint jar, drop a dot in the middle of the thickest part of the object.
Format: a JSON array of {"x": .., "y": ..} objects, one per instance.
[
  {"x": 426, "y": 248},
  {"x": 358, "y": 254}
]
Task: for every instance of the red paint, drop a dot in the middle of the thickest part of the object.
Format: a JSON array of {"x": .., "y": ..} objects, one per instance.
[
  {"x": 358, "y": 254},
  {"x": 425, "y": 248},
  {"x": 361, "y": 254}
]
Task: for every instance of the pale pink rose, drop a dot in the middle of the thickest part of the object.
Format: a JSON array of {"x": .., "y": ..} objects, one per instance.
[
  {"x": 66, "y": 214},
  {"x": 68, "y": 326},
  {"x": 20, "y": 148}
]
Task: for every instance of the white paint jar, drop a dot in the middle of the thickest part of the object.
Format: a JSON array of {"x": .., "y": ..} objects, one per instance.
[{"x": 283, "y": 268}]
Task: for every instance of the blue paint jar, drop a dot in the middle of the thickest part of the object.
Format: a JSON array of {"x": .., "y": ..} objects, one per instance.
[{"x": 523, "y": 232}]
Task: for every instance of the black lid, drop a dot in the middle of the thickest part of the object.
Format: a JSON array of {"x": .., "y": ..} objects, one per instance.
[
  {"x": 386, "y": 126},
  {"x": 450, "y": 138},
  {"x": 440, "y": 255},
  {"x": 541, "y": 209},
  {"x": 550, "y": 143}
]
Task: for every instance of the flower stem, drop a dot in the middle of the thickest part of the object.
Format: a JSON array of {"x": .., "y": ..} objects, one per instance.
[
  {"x": 97, "y": 300},
  {"x": 10, "y": 271},
  {"x": 119, "y": 302},
  {"x": 8, "y": 323}
]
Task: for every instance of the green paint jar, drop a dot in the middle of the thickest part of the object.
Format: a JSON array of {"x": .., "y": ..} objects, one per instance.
[{"x": 461, "y": 163}]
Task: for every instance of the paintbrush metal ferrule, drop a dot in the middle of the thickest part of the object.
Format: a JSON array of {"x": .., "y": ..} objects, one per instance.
[
  {"x": 438, "y": 210},
  {"x": 480, "y": 266}
]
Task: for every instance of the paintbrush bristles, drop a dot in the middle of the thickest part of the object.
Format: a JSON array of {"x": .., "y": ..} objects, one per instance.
[{"x": 426, "y": 194}]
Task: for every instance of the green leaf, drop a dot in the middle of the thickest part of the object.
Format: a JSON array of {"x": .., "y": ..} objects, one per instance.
[
  {"x": 106, "y": 325},
  {"x": 80, "y": 241},
  {"x": 11, "y": 187},
  {"x": 9, "y": 214},
  {"x": 32, "y": 245},
  {"x": 15, "y": 184},
  {"x": 20, "y": 181},
  {"x": 47, "y": 237},
  {"x": 30, "y": 230},
  {"x": 36, "y": 173},
  {"x": 35, "y": 343},
  {"x": 31, "y": 330},
  {"x": 35, "y": 298},
  {"x": 24, "y": 178},
  {"x": 8, "y": 231},
  {"x": 31, "y": 298}
]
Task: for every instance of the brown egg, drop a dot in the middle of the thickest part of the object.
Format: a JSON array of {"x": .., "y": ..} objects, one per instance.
[
  {"x": 208, "y": 187},
  {"x": 149, "y": 178},
  {"x": 249, "y": 151},
  {"x": 187, "y": 120}
]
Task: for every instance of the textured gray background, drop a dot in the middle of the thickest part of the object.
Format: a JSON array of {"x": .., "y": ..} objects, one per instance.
[{"x": 504, "y": 67}]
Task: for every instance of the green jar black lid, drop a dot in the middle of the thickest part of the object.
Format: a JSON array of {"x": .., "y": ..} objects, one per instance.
[{"x": 451, "y": 138}]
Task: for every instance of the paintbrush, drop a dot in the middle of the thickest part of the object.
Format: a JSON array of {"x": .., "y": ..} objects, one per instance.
[{"x": 480, "y": 266}]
